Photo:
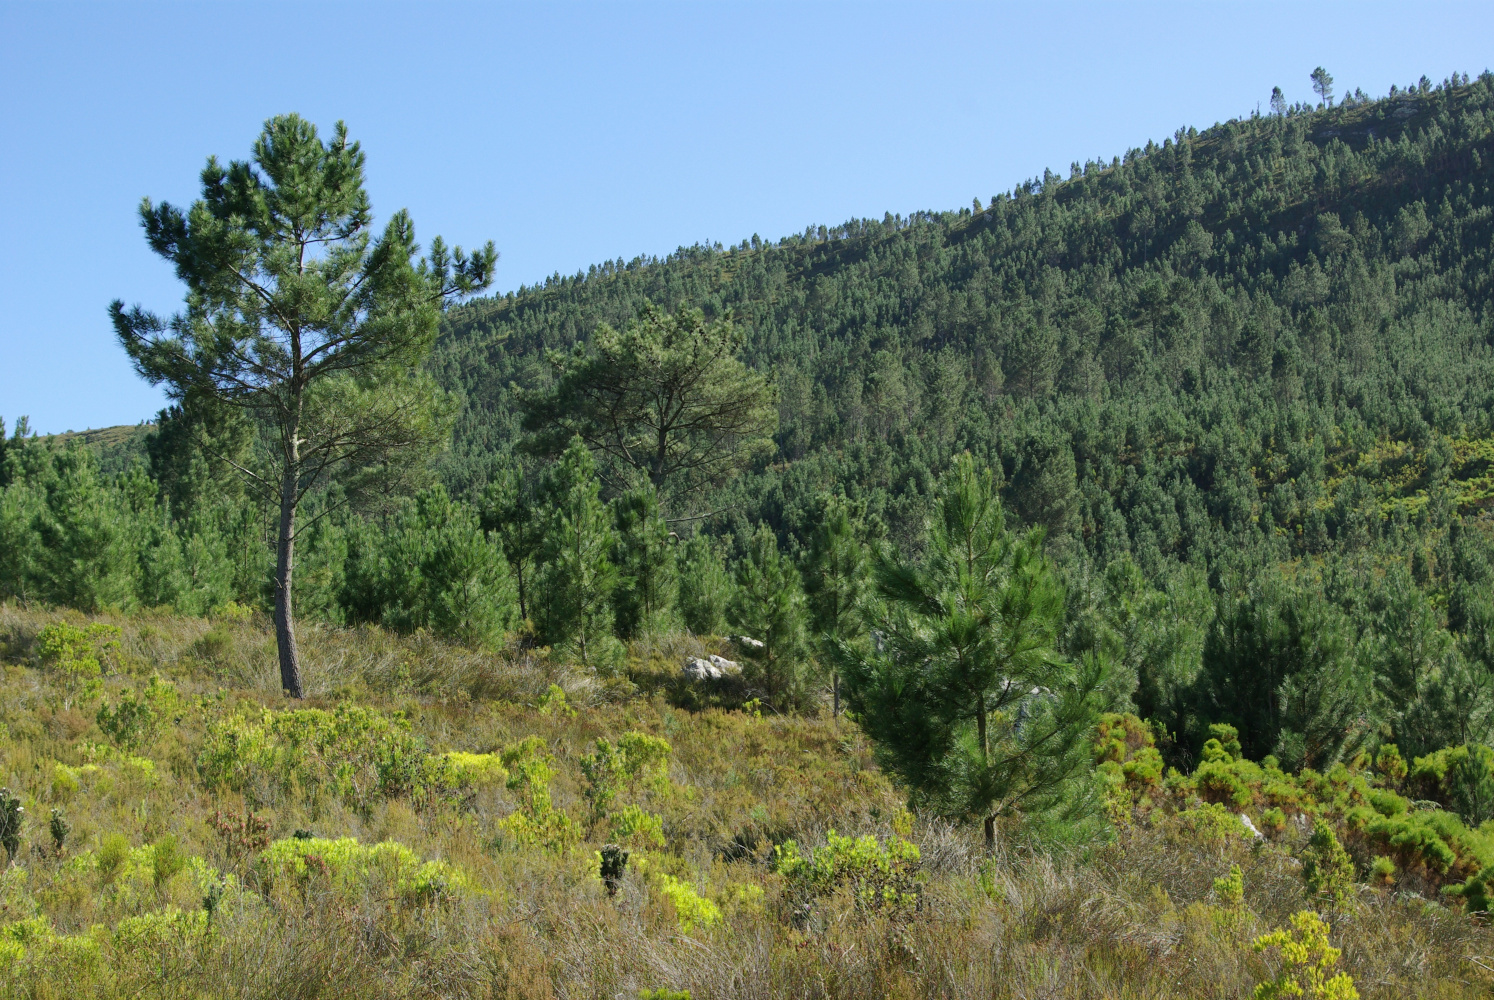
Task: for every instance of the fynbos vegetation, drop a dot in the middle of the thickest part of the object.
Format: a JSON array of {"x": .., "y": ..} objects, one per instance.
[{"x": 1087, "y": 595}]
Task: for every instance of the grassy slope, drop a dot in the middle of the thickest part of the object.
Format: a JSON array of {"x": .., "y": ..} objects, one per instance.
[{"x": 1132, "y": 916}]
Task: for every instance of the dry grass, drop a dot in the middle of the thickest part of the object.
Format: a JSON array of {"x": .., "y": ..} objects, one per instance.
[{"x": 1129, "y": 915}]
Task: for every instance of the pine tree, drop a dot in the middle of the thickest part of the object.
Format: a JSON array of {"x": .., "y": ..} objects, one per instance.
[
  {"x": 1278, "y": 102},
  {"x": 666, "y": 399},
  {"x": 837, "y": 576},
  {"x": 705, "y": 587},
  {"x": 578, "y": 577},
  {"x": 769, "y": 606},
  {"x": 509, "y": 512},
  {"x": 296, "y": 315},
  {"x": 1322, "y": 85},
  {"x": 648, "y": 579},
  {"x": 86, "y": 541},
  {"x": 964, "y": 694}
]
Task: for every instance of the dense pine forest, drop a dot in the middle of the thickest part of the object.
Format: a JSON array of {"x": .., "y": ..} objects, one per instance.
[{"x": 1204, "y": 434}]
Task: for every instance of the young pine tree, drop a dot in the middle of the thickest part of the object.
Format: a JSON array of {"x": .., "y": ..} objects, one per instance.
[
  {"x": 964, "y": 695},
  {"x": 705, "y": 587},
  {"x": 769, "y": 606},
  {"x": 432, "y": 568},
  {"x": 509, "y": 512},
  {"x": 648, "y": 579},
  {"x": 578, "y": 577},
  {"x": 86, "y": 550},
  {"x": 837, "y": 577}
]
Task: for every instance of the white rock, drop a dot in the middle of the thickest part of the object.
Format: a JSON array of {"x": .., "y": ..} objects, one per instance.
[
  {"x": 724, "y": 665},
  {"x": 701, "y": 670},
  {"x": 1251, "y": 827},
  {"x": 746, "y": 641}
]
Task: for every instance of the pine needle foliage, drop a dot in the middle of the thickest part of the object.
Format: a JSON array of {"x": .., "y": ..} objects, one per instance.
[
  {"x": 966, "y": 698},
  {"x": 295, "y": 313}
]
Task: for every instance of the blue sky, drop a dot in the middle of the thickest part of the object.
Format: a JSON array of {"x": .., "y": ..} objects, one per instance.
[{"x": 575, "y": 133}]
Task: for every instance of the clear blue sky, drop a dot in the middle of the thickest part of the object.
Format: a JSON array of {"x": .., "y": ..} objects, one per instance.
[{"x": 571, "y": 134}]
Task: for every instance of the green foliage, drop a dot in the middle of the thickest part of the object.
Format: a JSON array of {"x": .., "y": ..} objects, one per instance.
[
  {"x": 705, "y": 586},
  {"x": 837, "y": 582},
  {"x": 578, "y": 576},
  {"x": 350, "y": 867},
  {"x": 691, "y": 910},
  {"x": 1459, "y": 778},
  {"x": 1279, "y": 665},
  {"x": 554, "y": 702},
  {"x": 768, "y": 605},
  {"x": 636, "y": 759},
  {"x": 134, "y": 722},
  {"x": 77, "y": 653},
  {"x": 878, "y": 876},
  {"x": 1326, "y": 867},
  {"x": 432, "y": 567},
  {"x": 967, "y": 701},
  {"x": 1230, "y": 889},
  {"x": 511, "y": 513},
  {"x": 666, "y": 399},
  {"x": 648, "y": 578},
  {"x": 536, "y": 823},
  {"x": 352, "y": 753},
  {"x": 1307, "y": 961}
]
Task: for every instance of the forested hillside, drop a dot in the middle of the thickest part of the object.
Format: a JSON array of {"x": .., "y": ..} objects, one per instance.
[
  {"x": 1227, "y": 337},
  {"x": 1086, "y": 592},
  {"x": 1255, "y": 359}
]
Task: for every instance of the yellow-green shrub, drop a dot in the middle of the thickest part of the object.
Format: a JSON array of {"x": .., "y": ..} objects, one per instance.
[
  {"x": 691, "y": 909},
  {"x": 878, "y": 875},
  {"x": 348, "y": 865},
  {"x": 1306, "y": 963},
  {"x": 353, "y": 753}
]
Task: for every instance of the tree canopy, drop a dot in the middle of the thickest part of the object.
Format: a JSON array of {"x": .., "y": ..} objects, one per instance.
[
  {"x": 665, "y": 399},
  {"x": 297, "y": 314}
]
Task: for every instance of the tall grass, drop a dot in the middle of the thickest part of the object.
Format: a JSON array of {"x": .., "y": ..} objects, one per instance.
[{"x": 1128, "y": 913}]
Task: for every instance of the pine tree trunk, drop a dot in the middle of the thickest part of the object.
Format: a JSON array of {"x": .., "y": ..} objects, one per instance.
[
  {"x": 990, "y": 834},
  {"x": 285, "y": 627}
]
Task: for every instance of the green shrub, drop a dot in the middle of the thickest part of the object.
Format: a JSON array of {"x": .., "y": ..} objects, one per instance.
[
  {"x": 113, "y": 853},
  {"x": 878, "y": 875},
  {"x": 348, "y": 865},
  {"x": 635, "y": 825},
  {"x": 536, "y": 822},
  {"x": 1306, "y": 963},
  {"x": 1389, "y": 765},
  {"x": 352, "y": 753},
  {"x": 637, "y": 759},
  {"x": 1230, "y": 889},
  {"x": 690, "y": 908},
  {"x": 136, "y": 719},
  {"x": 79, "y": 654},
  {"x": 166, "y": 860},
  {"x": 1210, "y": 825},
  {"x": 1460, "y": 779}
]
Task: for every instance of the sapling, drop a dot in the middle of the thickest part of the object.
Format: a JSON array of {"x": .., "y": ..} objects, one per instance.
[
  {"x": 614, "y": 863},
  {"x": 59, "y": 828},
  {"x": 11, "y": 815}
]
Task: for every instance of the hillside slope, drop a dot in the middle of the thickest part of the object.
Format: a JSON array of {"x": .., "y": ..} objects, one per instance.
[{"x": 1219, "y": 332}]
